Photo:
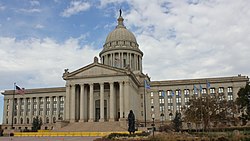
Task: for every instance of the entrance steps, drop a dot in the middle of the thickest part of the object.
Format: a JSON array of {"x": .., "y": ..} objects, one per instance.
[{"x": 93, "y": 127}]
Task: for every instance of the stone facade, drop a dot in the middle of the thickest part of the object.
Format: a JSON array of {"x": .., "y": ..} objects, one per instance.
[{"x": 106, "y": 91}]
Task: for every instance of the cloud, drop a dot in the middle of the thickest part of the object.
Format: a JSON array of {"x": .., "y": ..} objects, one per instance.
[
  {"x": 38, "y": 62},
  {"x": 75, "y": 7},
  {"x": 32, "y": 10},
  {"x": 2, "y": 7},
  {"x": 190, "y": 39},
  {"x": 34, "y": 2},
  {"x": 39, "y": 26}
]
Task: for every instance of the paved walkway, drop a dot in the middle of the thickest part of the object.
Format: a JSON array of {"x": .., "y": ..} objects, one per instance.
[{"x": 48, "y": 138}]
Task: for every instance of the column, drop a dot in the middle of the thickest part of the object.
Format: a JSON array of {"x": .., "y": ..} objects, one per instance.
[
  {"x": 126, "y": 98},
  {"x": 112, "y": 102},
  {"x": 82, "y": 107},
  {"x": 51, "y": 109},
  {"x": 31, "y": 109},
  {"x": 5, "y": 112},
  {"x": 91, "y": 103},
  {"x": 121, "y": 99},
  {"x": 101, "y": 102},
  {"x": 25, "y": 111},
  {"x": 72, "y": 104},
  {"x": 44, "y": 109},
  {"x": 38, "y": 106},
  {"x": 18, "y": 110},
  {"x": 122, "y": 61},
  {"x": 58, "y": 107},
  {"x": 67, "y": 103},
  {"x": 11, "y": 111}
]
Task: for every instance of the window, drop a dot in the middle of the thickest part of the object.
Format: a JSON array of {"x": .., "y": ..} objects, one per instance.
[
  {"x": 195, "y": 91},
  {"x": 47, "y": 105},
  {"x": 47, "y": 99},
  {"x": 212, "y": 90},
  {"x": 47, "y": 112},
  {"x": 8, "y": 101},
  {"x": 204, "y": 91},
  {"x": 178, "y": 108},
  {"x": 152, "y": 108},
  {"x": 229, "y": 89},
  {"x": 8, "y": 107},
  {"x": 7, "y": 121},
  {"x": 21, "y": 120},
  {"x": 62, "y": 98},
  {"x": 152, "y": 101},
  {"x": 186, "y": 99},
  {"x": 186, "y": 92},
  {"x": 160, "y": 93},
  {"x": 178, "y": 92},
  {"x": 54, "y": 99},
  {"x": 47, "y": 120},
  {"x": 170, "y": 100},
  {"x": 162, "y": 108},
  {"x": 178, "y": 100},
  {"x": 161, "y": 101},
  {"x": 170, "y": 107},
  {"x": 151, "y": 94},
  {"x": 169, "y": 92},
  {"x": 54, "y": 105},
  {"x": 7, "y": 113},
  {"x": 221, "y": 90},
  {"x": 28, "y": 121},
  {"x": 230, "y": 97}
]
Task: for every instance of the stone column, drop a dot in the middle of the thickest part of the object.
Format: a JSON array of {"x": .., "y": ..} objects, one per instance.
[
  {"x": 126, "y": 99},
  {"x": 112, "y": 102},
  {"x": 58, "y": 107},
  {"x": 101, "y": 102},
  {"x": 5, "y": 112},
  {"x": 18, "y": 110},
  {"x": 67, "y": 103},
  {"x": 44, "y": 109},
  {"x": 25, "y": 110},
  {"x": 11, "y": 112},
  {"x": 121, "y": 99},
  {"x": 38, "y": 106},
  {"x": 91, "y": 103},
  {"x": 51, "y": 110},
  {"x": 122, "y": 60},
  {"x": 31, "y": 109},
  {"x": 72, "y": 104},
  {"x": 82, "y": 107}
]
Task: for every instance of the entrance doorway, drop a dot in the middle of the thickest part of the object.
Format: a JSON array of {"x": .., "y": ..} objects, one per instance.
[{"x": 98, "y": 110}]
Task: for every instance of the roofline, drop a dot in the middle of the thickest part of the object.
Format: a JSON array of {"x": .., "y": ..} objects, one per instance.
[
  {"x": 200, "y": 81},
  {"x": 37, "y": 90}
]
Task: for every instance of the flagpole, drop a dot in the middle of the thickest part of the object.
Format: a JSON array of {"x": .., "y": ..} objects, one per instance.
[
  {"x": 145, "y": 122},
  {"x": 12, "y": 117}
]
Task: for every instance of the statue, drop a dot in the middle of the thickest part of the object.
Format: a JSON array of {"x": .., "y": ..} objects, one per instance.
[
  {"x": 120, "y": 12},
  {"x": 131, "y": 122}
]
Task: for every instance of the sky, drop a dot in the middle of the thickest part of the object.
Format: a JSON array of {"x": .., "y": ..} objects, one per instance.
[{"x": 180, "y": 39}]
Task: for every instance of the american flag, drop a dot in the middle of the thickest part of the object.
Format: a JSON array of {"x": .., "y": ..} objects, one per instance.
[{"x": 20, "y": 90}]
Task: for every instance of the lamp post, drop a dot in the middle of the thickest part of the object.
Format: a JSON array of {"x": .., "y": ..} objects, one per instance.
[{"x": 153, "y": 125}]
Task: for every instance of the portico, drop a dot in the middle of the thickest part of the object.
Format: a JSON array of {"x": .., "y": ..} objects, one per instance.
[{"x": 91, "y": 98}]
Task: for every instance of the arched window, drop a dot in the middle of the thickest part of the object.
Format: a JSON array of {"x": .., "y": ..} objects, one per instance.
[
  {"x": 21, "y": 120},
  {"x": 28, "y": 121},
  {"x": 47, "y": 120},
  {"x": 54, "y": 119},
  {"x": 15, "y": 120}
]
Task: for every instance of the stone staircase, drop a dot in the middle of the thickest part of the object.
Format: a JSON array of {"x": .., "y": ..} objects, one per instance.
[{"x": 93, "y": 127}]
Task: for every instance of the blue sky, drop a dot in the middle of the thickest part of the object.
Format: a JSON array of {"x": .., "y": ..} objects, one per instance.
[{"x": 180, "y": 39}]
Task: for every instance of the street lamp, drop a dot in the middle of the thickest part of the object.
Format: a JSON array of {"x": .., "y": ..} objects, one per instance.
[{"x": 153, "y": 125}]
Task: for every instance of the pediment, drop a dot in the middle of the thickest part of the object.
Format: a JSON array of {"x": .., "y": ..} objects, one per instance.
[{"x": 95, "y": 70}]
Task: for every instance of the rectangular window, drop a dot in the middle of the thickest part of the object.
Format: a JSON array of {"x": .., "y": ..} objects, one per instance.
[
  {"x": 62, "y": 99},
  {"x": 230, "y": 97},
  {"x": 7, "y": 113},
  {"x": 186, "y": 92},
  {"x": 47, "y": 99},
  {"x": 47, "y": 112},
  {"x": 178, "y": 100},
  {"x": 161, "y": 101},
  {"x": 178, "y": 108},
  {"x": 151, "y": 94},
  {"x": 178, "y": 92},
  {"x": 161, "y": 108},
  {"x": 229, "y": 89},
  {"x": 204, "y": 91},
  {"x": 8, "y": 107},
  {"x": 212, "y": 90},
  {"x": 170, "y": 107},
  {"x": 169, "y": 92},
  {"x": 170, "y": 100},
  {"x": 159, "y": 93},
  {"x": 186, "y": 99},
  {"x": 152, "y": 101},
  {"x": 54, "y": 99},
  {"x": 221, "y": 90}
]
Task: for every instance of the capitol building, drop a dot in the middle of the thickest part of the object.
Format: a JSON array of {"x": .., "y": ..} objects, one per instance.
[{"x": 104, "y": 91}]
